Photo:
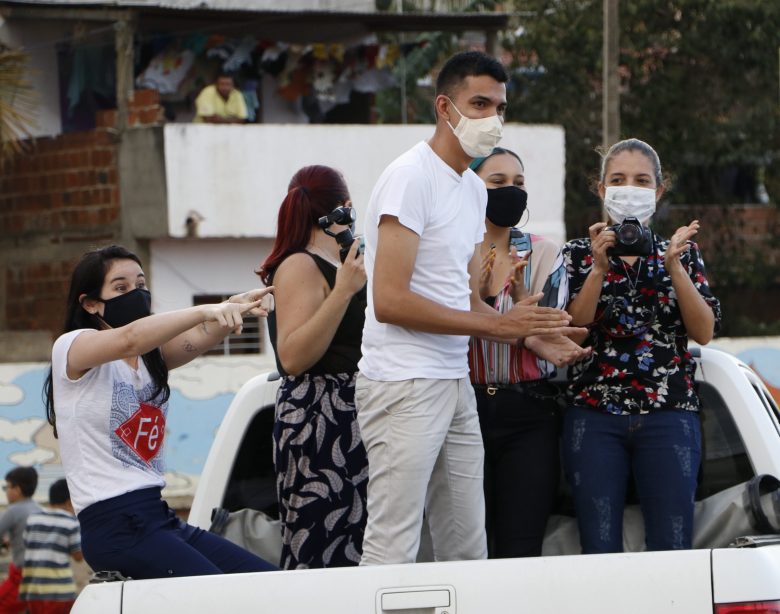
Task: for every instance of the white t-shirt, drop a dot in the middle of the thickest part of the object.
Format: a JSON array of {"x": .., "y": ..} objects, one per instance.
[
  {"x": 447, "y": 211},
  {"x": 111, "y": 438}
]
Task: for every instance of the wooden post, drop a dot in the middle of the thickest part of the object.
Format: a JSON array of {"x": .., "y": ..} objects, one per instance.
[
  {"x": 402, "y": 59},
  {"x": 491, "y": 44},
  {"x": 611, "y": 80},
  {"x": 124, "y": 69}
]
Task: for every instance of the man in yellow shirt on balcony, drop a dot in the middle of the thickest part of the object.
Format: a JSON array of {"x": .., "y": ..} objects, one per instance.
[{"x": 220, "y": 103}]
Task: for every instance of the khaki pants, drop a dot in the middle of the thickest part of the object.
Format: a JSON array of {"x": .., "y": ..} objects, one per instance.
[{"x": 424, "y": 453}]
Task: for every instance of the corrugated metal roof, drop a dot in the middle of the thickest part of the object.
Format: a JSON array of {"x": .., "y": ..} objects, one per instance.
[
  {"x": 289, "y": 24},
  {"x": 356, "y": 6}
]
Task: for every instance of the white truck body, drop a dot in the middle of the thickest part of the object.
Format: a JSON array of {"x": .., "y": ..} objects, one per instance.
[{"x": 741, "y": 426}]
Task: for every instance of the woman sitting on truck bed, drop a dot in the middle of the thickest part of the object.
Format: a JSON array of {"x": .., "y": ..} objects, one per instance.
[
  {"x": 107, "y": 399},
  {"x": 633, "y": 408},
  {"x": 320, "y": 461}
]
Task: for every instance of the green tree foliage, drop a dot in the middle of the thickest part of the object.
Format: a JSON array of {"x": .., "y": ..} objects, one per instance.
[
  {"x": 557, "y": 80},
  {"x": 699, "y": 82}
]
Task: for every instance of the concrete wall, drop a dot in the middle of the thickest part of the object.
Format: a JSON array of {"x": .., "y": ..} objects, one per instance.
[
  {"x": 245, "y": 170},
  {"x": 180, "y": 269},
  {"x": 142, "y": 185}
]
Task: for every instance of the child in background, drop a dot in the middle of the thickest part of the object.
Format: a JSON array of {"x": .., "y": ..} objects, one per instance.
[
  {"x": 20, "y": 485},
  {"x": 51, "y": 539}
]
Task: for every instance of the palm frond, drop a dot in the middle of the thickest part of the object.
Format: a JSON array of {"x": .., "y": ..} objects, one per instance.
[{"x": 18, "y": 102}]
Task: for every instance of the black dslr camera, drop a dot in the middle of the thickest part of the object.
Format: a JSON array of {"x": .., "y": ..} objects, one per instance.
[
  {"x": 343, "y": 216},
  {"x": 632, "y": 239}
]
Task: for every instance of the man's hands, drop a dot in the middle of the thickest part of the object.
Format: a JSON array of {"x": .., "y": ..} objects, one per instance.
[{"x": 526, "y": 318}]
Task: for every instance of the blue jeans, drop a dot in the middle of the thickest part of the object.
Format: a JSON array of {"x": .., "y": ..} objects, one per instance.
[
  {"x": 661, "y": 449},
  {"x": 138, "y": 535}
]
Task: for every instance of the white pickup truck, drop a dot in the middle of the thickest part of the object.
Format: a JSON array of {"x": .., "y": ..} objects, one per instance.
[{"x": 741, "y": 428}]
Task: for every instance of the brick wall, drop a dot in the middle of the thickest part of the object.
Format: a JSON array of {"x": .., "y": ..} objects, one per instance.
[
  {"x": 63, "y": 187},
  {"x": 733, "y": 231},
  {"x": 741, "y": 249},
  {"x": 144, "y": 110},
  {"x": 59, "y": 198}
]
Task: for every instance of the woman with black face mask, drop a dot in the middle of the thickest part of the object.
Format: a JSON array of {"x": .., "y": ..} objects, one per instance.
[
  {"x": 516, "y": 402},
  {"x": 107, "y": 399}
]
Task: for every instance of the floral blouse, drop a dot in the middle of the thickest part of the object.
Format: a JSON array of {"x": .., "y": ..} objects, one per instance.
[{"x": 640, "y": 361}]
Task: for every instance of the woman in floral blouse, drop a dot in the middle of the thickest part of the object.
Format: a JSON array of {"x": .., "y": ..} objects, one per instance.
[{"x": 633, "y": 408}]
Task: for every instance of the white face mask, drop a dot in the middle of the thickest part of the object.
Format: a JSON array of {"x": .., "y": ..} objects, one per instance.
[
  {"x": 622, "y": 201},
  {"x": 478, "y": 137}
]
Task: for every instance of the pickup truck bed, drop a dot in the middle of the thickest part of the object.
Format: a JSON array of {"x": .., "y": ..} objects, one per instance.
[{"x": 741, "y": 426}]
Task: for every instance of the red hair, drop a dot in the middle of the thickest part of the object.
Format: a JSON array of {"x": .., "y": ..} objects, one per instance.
[{"x": 314, "y": 191}]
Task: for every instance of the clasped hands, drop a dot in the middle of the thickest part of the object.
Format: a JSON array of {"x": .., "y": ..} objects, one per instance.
[{"x": 546, "y": 332}]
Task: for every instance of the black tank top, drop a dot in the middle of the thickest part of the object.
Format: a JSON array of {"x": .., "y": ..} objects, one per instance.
[{"x": 343, "y": 353}]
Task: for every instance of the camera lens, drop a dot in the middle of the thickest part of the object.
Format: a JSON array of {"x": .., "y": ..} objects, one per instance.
[
  {"x": 344, "y": 216},
  {"x": 628, "y": 234}
]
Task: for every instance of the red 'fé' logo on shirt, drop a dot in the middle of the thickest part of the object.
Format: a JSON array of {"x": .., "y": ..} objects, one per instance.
[{"x": 144, "y": 431}]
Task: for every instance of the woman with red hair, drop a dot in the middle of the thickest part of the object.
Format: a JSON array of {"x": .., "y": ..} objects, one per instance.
[{"x": 316, "y": 329}]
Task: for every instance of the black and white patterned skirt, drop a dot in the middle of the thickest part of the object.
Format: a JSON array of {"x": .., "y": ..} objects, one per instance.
[{"x": 321, "y": 471}]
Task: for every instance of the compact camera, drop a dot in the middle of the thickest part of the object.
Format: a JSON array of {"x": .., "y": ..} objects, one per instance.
[
  {"x": 343, "y": 216},
  {"x": 632, "y": 239}
]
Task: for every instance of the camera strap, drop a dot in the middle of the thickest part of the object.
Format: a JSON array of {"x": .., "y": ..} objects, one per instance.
[
  {"x": 632, "y": 284},
  {"x": 652, "y": 272}
]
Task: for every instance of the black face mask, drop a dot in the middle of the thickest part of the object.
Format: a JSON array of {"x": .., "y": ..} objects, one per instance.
[
  {"x": 506, "y": 205},
  {"x": 127, "y": 307}
]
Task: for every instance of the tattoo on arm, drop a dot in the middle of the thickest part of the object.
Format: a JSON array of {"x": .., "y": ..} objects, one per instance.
[{"x": 188, "y": 347}]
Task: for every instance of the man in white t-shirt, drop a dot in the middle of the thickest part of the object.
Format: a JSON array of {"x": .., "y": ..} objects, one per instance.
[{"x": 416, "y": 407}]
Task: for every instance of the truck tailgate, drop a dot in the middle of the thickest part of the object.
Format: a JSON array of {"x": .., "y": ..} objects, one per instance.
[
  {"x": 640, "y": 583},
  {"x": 746, "y": 574}
]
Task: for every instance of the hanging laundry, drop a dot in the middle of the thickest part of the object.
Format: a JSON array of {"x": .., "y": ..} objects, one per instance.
[
  {"x": 373, "y": 80},
  {"x": 166, "y": 71},
  {"x": 242, "y": 55},
  {"x": 249, "y": 92}
]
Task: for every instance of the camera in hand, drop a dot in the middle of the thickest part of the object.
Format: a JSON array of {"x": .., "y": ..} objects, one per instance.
[
  {"x": 631, "y": 239},
  {"x": 343, "y": 216}
]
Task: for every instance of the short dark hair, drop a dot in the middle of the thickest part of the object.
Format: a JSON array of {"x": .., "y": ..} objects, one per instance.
[
  {"x": 26, "y": 478},
  {"x": 58, "y": 492},
  {"x": 467, "y": 64}
]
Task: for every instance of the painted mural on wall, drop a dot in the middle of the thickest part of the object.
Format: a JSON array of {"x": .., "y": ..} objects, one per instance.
[{"x": 200, "y": 395}]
